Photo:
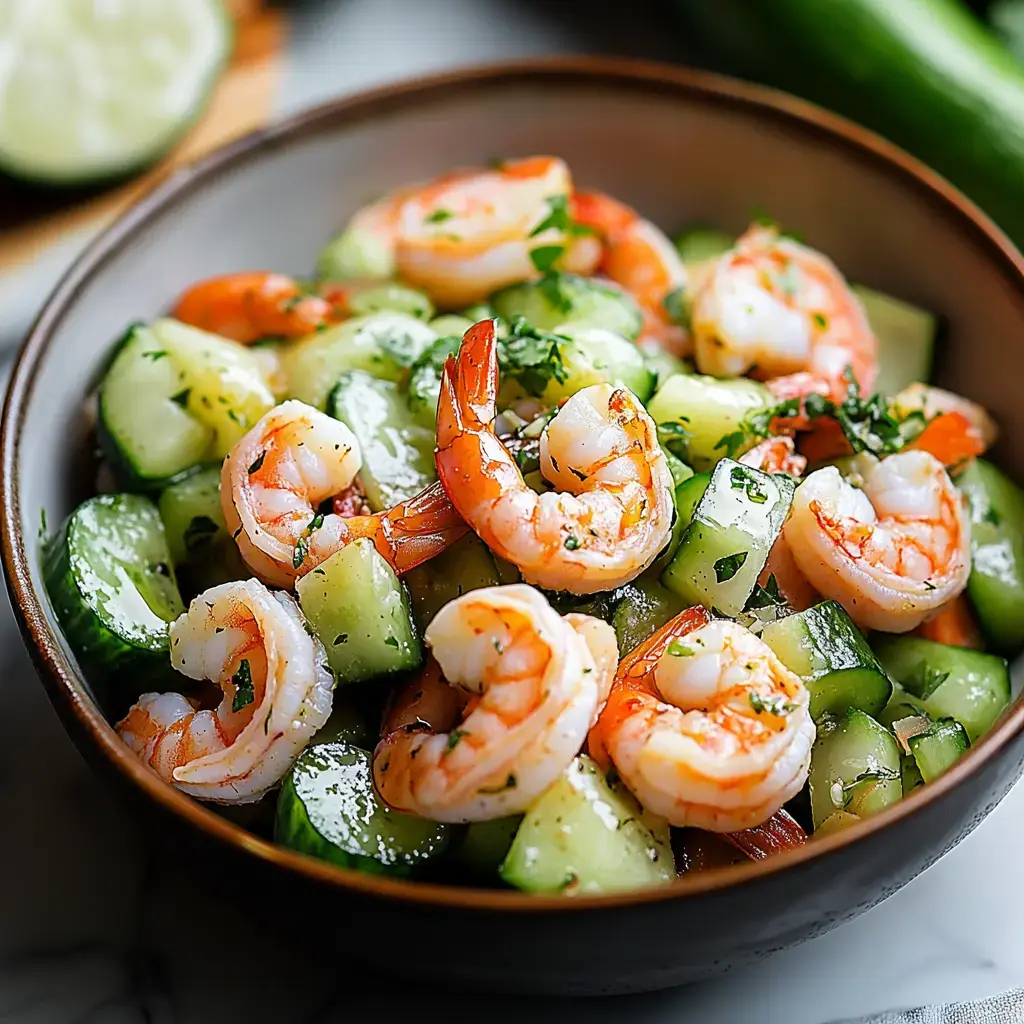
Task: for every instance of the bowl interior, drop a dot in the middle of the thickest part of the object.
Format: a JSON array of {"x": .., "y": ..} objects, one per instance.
[{"x": 680, "y": 152}]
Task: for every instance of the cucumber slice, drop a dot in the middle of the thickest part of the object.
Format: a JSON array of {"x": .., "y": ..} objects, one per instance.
[
  {"x": 948, "y": 682},
  {"x": 696, "y": 413},
  {"x": 996, "y": 584},
  {"x": 201, "y": 548},
  {"x": 586, "y": 836},
  {"x": 96, "y": 91},
  {"x": 424, "y": 386},
  {"x": 398, "y": 454},
  {"x": 906, "y": 340},
  {"x": 938, "y": 749},
  {"x": 450, "y": 325},
  {"x": 485, "y": 846},
  {"x": 726, "y": 545},
  {"x": 329, "y": 809},
  {"x": 827, "y": 651},
  {"x": 466, "y": 565},
  {"x": 109, "y": 575},
  {"x": 356, "y": 253},
  {"x": 176, "y": 396},
  {"x": 387, "y": 296},
  {"x": 359, "y": 610},
  {"x": 855, "y": 767},
  {"x": 383, "y": 345},
  {"x": 559, "y": 300},
  {"x": 644, "y": 606}
]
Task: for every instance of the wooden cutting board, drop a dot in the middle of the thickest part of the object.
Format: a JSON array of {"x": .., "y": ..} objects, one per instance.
[{"x": 31, "y": 219}]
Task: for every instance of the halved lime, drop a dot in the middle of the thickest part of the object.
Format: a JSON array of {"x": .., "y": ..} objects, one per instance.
[{"x": 94, "y": 89}]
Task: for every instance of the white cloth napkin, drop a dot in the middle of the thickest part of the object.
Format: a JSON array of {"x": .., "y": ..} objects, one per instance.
[{"x": 1007, "y": 1008}]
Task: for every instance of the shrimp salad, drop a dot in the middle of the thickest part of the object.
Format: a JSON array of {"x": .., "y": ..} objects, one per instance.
[{"x": 521, "y": 545}]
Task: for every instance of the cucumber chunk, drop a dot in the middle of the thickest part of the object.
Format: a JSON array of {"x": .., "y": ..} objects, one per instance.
[
  {"x": 450, "y": 325},
  {"x": 996, "y": 584},
  {"x": 328, "y": 808},
  {"x": 643, "y": 606},
  {"x": 387, "y": 297},
  {"x": 586, "y": 836},
  {"x": 663, "y": 365},
  {"x": 398, "y": 453},
  {"x": 948, "y": 682},
  {"x": 485, "y": 845},
  {"x": 111, "y": 580},
  {"x": 359, "y": 610},
  {"x": 938, "y": 749},
  {"x": 855, "y": 767},
  {"x": 424, "y": 386},
  {"x": 559, "y": 300},
  {"x": 466, "y": 565},
  {"x": 725, "y": 547},
  {"x": 906, "y": 340},
  {"x": 827, "y": 651},
  {"x": 383, "y": 345},
  {"x": 356, "y": 253},
  {"x": 173, "y": 397},
  {"x": 697, "y": 413}
]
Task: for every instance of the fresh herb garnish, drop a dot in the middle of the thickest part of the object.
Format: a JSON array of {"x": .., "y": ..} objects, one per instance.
[
  {"x": 727, "y": 566},
  {"x": 257, "y": 463},
  {"x": 533, "y": 357},
  {"x": 244, "y": 691},
  {"x": 767, "y": 596},
  {"x": 544, "y": 257},
  {"x": 439, "y": 216},
  {"x": 756, "y": 426},
  {"x": 155, "y": 354},
  {"x": 677, "y": 649},
  {"x": 841, "y": 793},
  {"x": 742, "y": 479},
  {"x": 820, "y": 320},
  {"x": 677, "y": 304},
  {"x": 773, "y": 705},
  {"x": 391, "y": 642},
  {"x": 559, "y": 219},
  {"x": 572, "y": 542},
  {"x": 454, "y": 739},
  {"x": 301, "y": 550},
  {"x": 925, "y": 680}
]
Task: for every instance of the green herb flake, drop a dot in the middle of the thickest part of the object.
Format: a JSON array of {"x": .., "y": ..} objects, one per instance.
[
  {"x": 544, "y": 257},
  {"x": 820, "y": 320},
  {"x": 534, "y": 358},
  {"x": 572, "y": 542},
  {"x": 439, "y": 216},
  {"x": 558, "y": 218},
  {"x": 991, "y": 516},
  {"x": 391, "y": 641},
  {"x": 744, "y": 479},
  {"x": 155, "y": 354},
  {"x": 677, "y": 305},
  {"x": 181, "y": 397},
  {"x": 42, "y": 522},
  {"x": 727, "y": 566},
  {"x": 772, "y": 705},
  {"x": 454, "y": 739},
  {"x": 677, "y": 649},
  {"x": 257, "y": 463},
  {"x": 301, "y": 551},
  {"x": 925, "y": 680},
  {"x": 244, "y": 691},
  {"x": 767, "y": 596}
]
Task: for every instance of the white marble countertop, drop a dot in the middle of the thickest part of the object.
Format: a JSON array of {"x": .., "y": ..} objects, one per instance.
[{"x": 97, "y": 925}]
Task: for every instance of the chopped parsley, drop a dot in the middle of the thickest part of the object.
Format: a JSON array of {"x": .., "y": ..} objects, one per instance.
[
  {"x": 244, "y": 692},
  {"x": 820, "y": 320},
  {"x": 572, "y": 542},
  {"x": 559, "y": 219},
  {"x": 544, "y": 257},
  {"x": 301, "y": 550},
  {"x": 199, "y": 533},
  {"x": 767, "y": 596},
  {"x": 534, "y": 357},
  {"x": 727, "y": 566},
  {"x": 677, "y": 649},
  {"x": 454, "y": 739},
  {"x": 925, "y": 680},
  {"x": 991, "y": 516},
  {"x": 391, "y": 641},
  {"x": 756, "y": 426},
  {"x": 155, "y": 354},
  {"x": 744, "y": 479},
  {"x": 773, "y": 705},
  {"x": 257, "y": 463},
  {"x": 554, "y": 289},
  {"x": 439, "y": 216},
  {"x": 677, "y": 304}
]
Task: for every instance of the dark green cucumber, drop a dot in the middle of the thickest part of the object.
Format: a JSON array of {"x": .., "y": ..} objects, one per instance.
[
  {"x": 584, "y": 835},
  {"x": 485, "y": 845},
  {"x": 387, "y": 297},
  {"x": 328, "y": 808},
  {"x": 855, "y": 767},
  {"x": 360, "y": 611},
  {"x": 996, "y": 584},
  {"x": 111, "y": 581},
  {"x": 825, "y": 648},
  {"x": 726, "y": 545},
  {"x": 398, "y": 452},
  {"x": 948, "y": 682},
  {"x": 643, "y": 606},
  {"x": 936, "y": 750},
  {"x": 928, "y": 75}
]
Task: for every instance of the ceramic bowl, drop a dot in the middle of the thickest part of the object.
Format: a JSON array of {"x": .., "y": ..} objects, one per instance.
[{"x": 681, "y": 147}]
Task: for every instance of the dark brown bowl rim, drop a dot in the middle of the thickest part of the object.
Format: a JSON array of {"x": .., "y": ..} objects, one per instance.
[{"x": 627, "y": 76}]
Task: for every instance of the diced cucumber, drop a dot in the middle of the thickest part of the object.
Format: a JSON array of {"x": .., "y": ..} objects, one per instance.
[
  {"x": 901, "y": 705},
  {"x": 827, "y": 651},
  {"x": 387, "y": 296},
  {"x": 680, "y": 471},
  {"x": 688, "y": 495},
  {"x": 383, "y": 345},
  {"x": 663, "y": 365},
  {"x": 855, "y": 767},
  {"x": 836, "y": 822},
  {"x": 938, "y": 749},
  {"x": 196, "y": 535},
  {"x": 466, "y": 565},
  {"x": 328, "y": 808},
  {"x": 643, "y": 606},
  {"x": 450, "y": 325},
  {"x": 996, "y": 584},
  {"x": 725, "y": 547},
  {"x": 485, "y": 845},
  {"x": 175, "y": 396},
  {"x": 584, "y": 355},
  {"x": 586, "y": 836},
  {"x": 359, "y": 610},
  {"x": 948, "y": 682},
  {"x": 558, "y": 300},
  {"x": 699, "y": 412},
  {"x": 910, "y": 774},
  {"x": 424, "y": 385},
  {"x": 111, "y": 581},
  {"x": 906, "y": 340},
  {"x": 398, "y": 453},
  {"x": 357, "y": 253}
]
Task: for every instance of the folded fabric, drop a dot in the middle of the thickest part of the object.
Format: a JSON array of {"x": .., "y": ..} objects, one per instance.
[{"x": 1007, "y": 1008}]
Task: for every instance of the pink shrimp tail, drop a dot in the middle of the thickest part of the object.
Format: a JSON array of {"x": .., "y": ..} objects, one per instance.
[{"x": 469, "y": 385}]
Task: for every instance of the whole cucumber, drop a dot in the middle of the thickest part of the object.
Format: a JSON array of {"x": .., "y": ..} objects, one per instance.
[{"x": 926, "y": 74}]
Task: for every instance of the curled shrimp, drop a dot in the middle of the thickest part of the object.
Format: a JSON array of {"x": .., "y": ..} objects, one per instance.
[
  {"x": 775, "y": 455},
  {"x": 638, "y": 256},
  {"x": 275, "y": 478},
  {"x": 251, "y": 305},
  {"x": 534, "y": 682},
  {"x": 471, "y": 232},
  {"x": 276, "y": 694},
  {"x": 773, "y": 307},
  {"x": 891, "y": 553},
  {"x": 613, "y": 511},
  {"x": 706, "y": 726}
]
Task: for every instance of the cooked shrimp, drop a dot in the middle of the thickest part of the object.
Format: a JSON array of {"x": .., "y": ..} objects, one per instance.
[
  {"x": 535, "y": 681},
  {"x": 469, "y": 232},
  {"x": 891, "y": 553},
  {"x": 958, "y": 429},
  {"x": 274, "y": 480},
  {"x": 775, "y": 455},
  {"x": 252, "y": 305},
  {"x": 706, "y": 726},
  {"x": 641, "y": 258},
  {"x": 276, "y": 694},
  {"x": 773, "y": 307},
  {"x": 613, "y": 512}
]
